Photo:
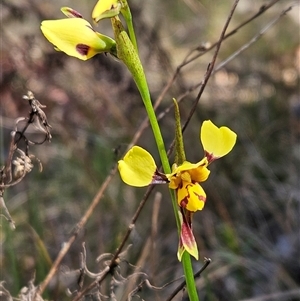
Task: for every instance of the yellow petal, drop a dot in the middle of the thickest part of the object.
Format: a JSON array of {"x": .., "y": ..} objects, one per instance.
[
  {"x": 76, "y": 37},
  {"x": 198, "y": 172},
  {"x": 185, "y": 166},
  {"x": 137, "y": 167},
  {"x": 106, "y": 9},
  {"x": 191, "y": 196},
  {"x": 217, "y": 142}
]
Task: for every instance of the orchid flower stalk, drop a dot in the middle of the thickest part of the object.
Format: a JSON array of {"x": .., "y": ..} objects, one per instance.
[
  {"x": 76, "y": 37},
  {"x": 127, "y": 53}
]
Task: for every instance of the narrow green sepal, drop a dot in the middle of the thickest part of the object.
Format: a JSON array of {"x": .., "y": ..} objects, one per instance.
[{"x": 179, "y": 146}]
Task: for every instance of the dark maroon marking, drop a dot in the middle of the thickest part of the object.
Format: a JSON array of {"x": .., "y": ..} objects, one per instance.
[
  {"x": 74, "y": 13},
  {"x": 159, "y": 178},
  {"x": 82, "y": 49},
  {"x": 184, "y": 202},
  {"x": 200, "y": 197},
  {"x": 210, "y": 157}
]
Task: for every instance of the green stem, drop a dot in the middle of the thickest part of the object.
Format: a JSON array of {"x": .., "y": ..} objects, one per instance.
[{"x": 127, "y": 53}]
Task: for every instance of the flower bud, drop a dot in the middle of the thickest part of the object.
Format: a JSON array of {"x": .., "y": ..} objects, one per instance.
[{"x": 106, "y": 9}]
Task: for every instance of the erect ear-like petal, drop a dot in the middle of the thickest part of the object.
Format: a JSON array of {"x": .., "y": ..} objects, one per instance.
[
  {"x": 106, "y": 9},
  {"x": 187, "y": 241},
  {"x": 138, "y": 168},
  {"x": 191, "y": 196},
  {"x": 217, "y": 142},
  {"x": 76, "y": 37}
]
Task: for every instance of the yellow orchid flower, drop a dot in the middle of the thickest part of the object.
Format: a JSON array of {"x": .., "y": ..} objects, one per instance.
[
  {"x": 76, "y": 37},
  {"x": 106, "y": 9},
  {"x": 138, "y": 169}
]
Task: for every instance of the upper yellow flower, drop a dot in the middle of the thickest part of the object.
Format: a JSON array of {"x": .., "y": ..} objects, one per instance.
[
  {"x": 76, "y": 37},
  {"x": 106, "y": 9}
]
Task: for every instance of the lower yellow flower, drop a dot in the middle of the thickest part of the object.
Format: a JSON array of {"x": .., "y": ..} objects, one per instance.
[
  {"x": 76, "y": 37},
  {"x": 138, "y": 169}
]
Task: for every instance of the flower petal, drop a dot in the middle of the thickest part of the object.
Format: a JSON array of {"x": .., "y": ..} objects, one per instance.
[
  {"x": 217, "y": 142},
  {"x": 191, "y": 196},
  {"x": 187, "y": 241},
  {"x": 138, "y": 168},
  {"x": 76, "y": 37},
  {"x": 106, "y": 9},
  {"x": 181, "y": 250},
  {"x": 189, "y": 172}
]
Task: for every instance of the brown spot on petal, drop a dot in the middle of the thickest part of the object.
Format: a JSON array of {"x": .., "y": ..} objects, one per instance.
[{"x": 82, "y": 49}]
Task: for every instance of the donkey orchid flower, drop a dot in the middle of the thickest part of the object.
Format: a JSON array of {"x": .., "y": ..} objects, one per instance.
[
  {"x": 76, "y": 37},
  {"x": 138, "y": 169}
]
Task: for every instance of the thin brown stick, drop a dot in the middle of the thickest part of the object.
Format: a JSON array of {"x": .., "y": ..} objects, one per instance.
[
  {"x": 77, "y": 229},
  {"x": 253, "y": 40},
  {"x": 180, "y": 287},
  {"x": 227, "y": 60},
  {"x": 262, "y": 9},
  {"x": 283, "y": 296},
  {"x": 118, "y": 251},
  {"x": 210, "y": 66},
  {"x": 187, "y": 61}
]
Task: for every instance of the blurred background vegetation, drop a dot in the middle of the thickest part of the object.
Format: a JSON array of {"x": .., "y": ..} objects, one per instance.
[{"x": 250, "y": 224}]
